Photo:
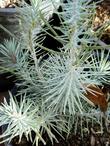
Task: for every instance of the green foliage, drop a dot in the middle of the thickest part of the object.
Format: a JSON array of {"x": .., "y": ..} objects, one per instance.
[
  {"x": 53, "y": 91},
  {"x": 10, "y": 52}
]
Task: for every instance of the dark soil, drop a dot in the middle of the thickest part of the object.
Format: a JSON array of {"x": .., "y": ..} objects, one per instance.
[
  {"x": 90, "y": 138},
  {"x": 102, "y": 17}
]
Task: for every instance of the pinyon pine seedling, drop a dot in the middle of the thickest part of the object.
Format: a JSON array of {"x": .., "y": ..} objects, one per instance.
[{"x": 53, "y": 91}]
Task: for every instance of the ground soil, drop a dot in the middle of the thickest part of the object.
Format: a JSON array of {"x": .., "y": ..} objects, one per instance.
[
  {"x": 90, "y": 138},
  {"x": 12, "y": 3}
]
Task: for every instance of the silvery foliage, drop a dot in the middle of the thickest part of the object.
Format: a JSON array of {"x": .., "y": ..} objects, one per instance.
[
  {"x": 66, "y": 76},
  {"x": 24, "y": 117},
  {"x": 54, "y": 87}
]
